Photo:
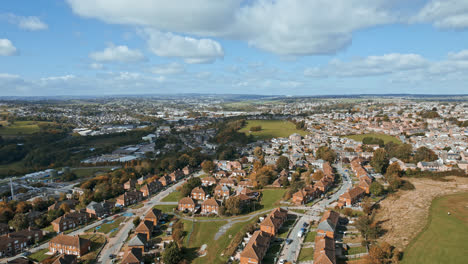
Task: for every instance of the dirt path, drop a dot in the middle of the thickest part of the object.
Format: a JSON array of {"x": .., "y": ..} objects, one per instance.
[{"x": 405, "y": 213}]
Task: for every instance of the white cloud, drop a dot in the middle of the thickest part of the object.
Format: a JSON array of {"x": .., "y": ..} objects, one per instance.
[
  {"x": 446, "y": 14},
  {"x": 117, "y": 54},
  {"x": 29, "y": 23},
  {"x": 58, "y": 78},
  {"x": 189, "y": 49},
  {"x": 7, "y": 48},
  {"x": 171, "y": 68},
  {"x": 96, "y": 66},
  {"x": 9, "y": 76},
  {"x": 286, "y": 27},
  {"x": 462, "y": 55},
  {"x": 369, "y": 66}
]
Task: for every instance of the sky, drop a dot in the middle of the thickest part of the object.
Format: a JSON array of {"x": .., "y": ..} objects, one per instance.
[{"x": 267, "y": 47}]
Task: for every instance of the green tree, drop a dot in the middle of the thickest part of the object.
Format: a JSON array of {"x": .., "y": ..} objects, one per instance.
[
  {"x": 376, "y": 188},
  {"x": 136, "y": 221},
  {"x": 172, "y": 254},
  {"x": 233, "y": 205},
  {"x": 326, "y": 153},
  {"x": 282, "y": 163},
  {"x": 425, "y": 154},
  {"x": 207, "y": 166},
  {"x": 380, "y": 160},
  {"x": 19, "y": 222}
]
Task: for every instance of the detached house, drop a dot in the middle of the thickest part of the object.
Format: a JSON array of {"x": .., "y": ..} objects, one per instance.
[
  {"x": 70, "y": 245},
  {"x": 221, "y": 191},
  {"x": 227, "y": 182},
  {"x": 208, "y": 181},
  {"x": 154, "y": 216},
  {"x": 145, "y": 228}
]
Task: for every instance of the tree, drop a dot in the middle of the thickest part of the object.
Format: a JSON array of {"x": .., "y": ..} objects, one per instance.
[
  {"x": 425, "y": 154},
  {"x": 207, "y": 166},
  {"x": 379, "y": 161},
  {"x": 368, "y": 227},
  {"x": 172, "y": 254},
  {"x": 318, "y": 175},
  {"x": 136, "y": 221},
  {"x": 65, "y": 207},
  {"x": 258, "y": 152},
  {"x": 393, "y": 170},
  {"x": 19, "y": 222},
  {"x": 376, "y": 188},
  {"x": 187, "y": 188},
  {"x": 326, "y": 153},
  {"x": 282, "y": 163},
  {"x": 383, "y": 253},
  {"x": 233, "y": 205}
]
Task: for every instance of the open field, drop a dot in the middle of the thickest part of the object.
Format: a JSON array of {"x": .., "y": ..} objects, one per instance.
[
  {"x": 165, "y": 208},
  {"x": 404, "y": 214},
  {"x": 40, "y": 255},
  {"x": 88, "y": 172},
  {"x": 445, "y": 236},
  {"x": 21, "y": 127},
  {"x": 97, "y": 242},
  {"x": 174, "y": 196},
  {"x": 271, "y": 129},
  {"x": 270, "y": 197},
  {"x": 384, "y": 137},
  {"x": 306, "y": 254}
]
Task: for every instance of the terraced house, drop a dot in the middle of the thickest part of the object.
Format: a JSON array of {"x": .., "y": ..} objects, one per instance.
[
  {"x": 129, "y": 198},
  {"x": 256, "y": 248},
  {"x": 70, "y": 245},
  {"x": 14, "y": 243},
  {"x": 70, "y": 221}
]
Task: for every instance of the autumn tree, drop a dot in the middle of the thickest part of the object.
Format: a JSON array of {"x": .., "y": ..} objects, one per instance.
[
  {"x": 424, "y": 154},
  {"x": 282, "y": 163},
  {"x": 318, "y": 175},
  {"x": 233, "y": 205},
  {"x": 19, "y": 222},
  {"x": 380, "y": 160},
  {"x": 258, "y": 152},
  {"x": 207, "y": 166},
  {"x": 376, "y": 188},
  {"x": 383, "y": 253},
  {"x": 325, "y": 153}
]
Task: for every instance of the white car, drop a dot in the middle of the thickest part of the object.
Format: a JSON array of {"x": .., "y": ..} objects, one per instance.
[{"x": 282, "y": 261}]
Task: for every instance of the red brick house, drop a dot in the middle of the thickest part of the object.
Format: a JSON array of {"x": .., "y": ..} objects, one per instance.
[
  {"x": 246, "y": 183},
  {"x": 150, "y": 188},
  {"x": 208, "y": 181},
  {"x": 256, "y": 248},
  {"x": 221, "y": 191},
  {"x": 198, "y": 194},
  {"x": 133, "y": 256},
  {"x": 210, "y": 206},
  {"x": 70, "y": 245},
  {"x": 186, "y": 203},
  {"x": 273, "y": 222},
  {"x": 13, "y": 243},
  {"x": 351, "y": 196},
  {"x": 176, "y": 175},
  {"x": 227, "y": 182},
  {"x": 187, "y": 170},
  {"x": 145, "y": 228},
  {"x": 70, "y": 221},
  {"x": 165, "y": 180},
  {"x": 328, "y": 224},
  {"x": 129, "y": 198},
  {"x": 234, "y": 165},
  {"x": 154, "y": 215},
  {"x": 130, "y": 184},
  {"x": 324, "y": 252}
]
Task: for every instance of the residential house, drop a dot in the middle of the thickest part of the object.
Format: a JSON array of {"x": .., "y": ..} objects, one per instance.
[
  {"x": 208, "y": 181},
  {"x": 328, "y": 224},
  {"x": 220, "y": 174},
  {"x": 130, "y": 184},
  {"x": 273, "y": 222},
  {"x": 187, "y": 170},
  {"x": 129, "y": 198},
  {"x": 70, "y": 245},
  {"x": 186, "y": 203},
  {"x": 70, "y": 221},
  {"x": 324, "y": 252},
  {"x": 165, "y": 180},
  {"x": 351, "y": 196},
  {"x": 145, "y": 228},
  {"x": 133, "y": 256},
  {"x": 305, "y": 195},
  {"x": 150, "y": 188},
  {"x": 70, "y": 203},
  {"x": 198, "y": 194},
  {"x": 234, "y": 165},
  {"x": 210, "y": 206},
  {"x": 154, "y": 216},
  {"x": 240, "y": 173},
  {"x": 176, "y": 175},
  {"x": 12, "y": 244},
  {"x": 227, "y": 182},
  {"x": 221, "y": 191},
  {"x": 65, "y": 259},
  {"x": 256, "y": 248},
  {"x": 99, "y": 210},
  {"x": 138, "y": 241},
  {"x": 246, "y": 183}
]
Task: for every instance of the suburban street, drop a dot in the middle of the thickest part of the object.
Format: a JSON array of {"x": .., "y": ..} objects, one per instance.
[
  {"x": 114, "y": 244},
  {"x": 291, "y": 252}
]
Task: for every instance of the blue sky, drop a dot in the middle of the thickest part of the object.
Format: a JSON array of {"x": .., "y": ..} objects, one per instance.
[{"x": 284, "y": 47}]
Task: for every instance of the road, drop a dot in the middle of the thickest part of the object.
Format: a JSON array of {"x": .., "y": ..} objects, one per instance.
[
  {"x": 291, "y": 252},
  {"x": 114, "y": 244}
]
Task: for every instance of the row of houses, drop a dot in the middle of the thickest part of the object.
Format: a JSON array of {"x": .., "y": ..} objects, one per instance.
[
  {"x": 138, "y": 244},
  {"x": 258, "y": 245},
  {"x": 325, "y": 239},
  {"x": 14, "y": 243},
  {"x": 311, "y": 192},
  {"x": 352, "y": 196}
]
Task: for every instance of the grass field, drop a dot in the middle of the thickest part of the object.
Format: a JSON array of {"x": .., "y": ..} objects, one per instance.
[
  {"x": 174, "y": 196},
  {"x": 97, "y": 242},
  {"x": 445, "y": 236},
  {"x": 310, "y": 237},
  {"x": 88, "y": 172},
  {"x": 272, "y": 129},
  {"x": 106, "y": 228},
  {"x": 21, "y": 127},
  {"x": 384, "y": 137},
  {"x": 40, "y": 255},
  {"x": 356, "y": 250},
  {"x": 270, "y": 197},
  {"x": 306, "y": 254},
  {"x": 165, "y": 208}
]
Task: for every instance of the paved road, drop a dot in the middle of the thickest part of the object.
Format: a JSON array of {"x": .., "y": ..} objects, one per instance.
[
  {"x": 114, "y": 244},
  {"x": 291, "y": 252}
]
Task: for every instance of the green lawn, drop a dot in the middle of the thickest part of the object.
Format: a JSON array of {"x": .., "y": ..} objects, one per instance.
[
  {"x": 356, "y": 250},
  {"x": 306, "y": 254},
  {"x": 284, "y": 230},
  {"x": 270, "y": 197},
  {"x": 445, "y": 236},
  {"x": 165, "y": 208},
  {"x": 174, "y": 196},
  {"x": 310, "y": 237},
  {"x": 22, "y": 127},
  {"x": 97, "y": 242},
  {"x": 40, "y": 255},
  {"x": 88, "y": 172},
  {"x": 384, "y": 137},
  {"x": 106, "y": 228},
  {"x": 272, "y": 129}
]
